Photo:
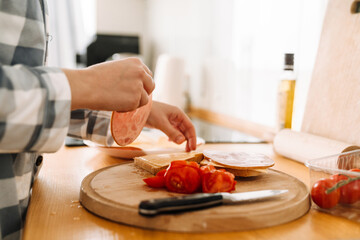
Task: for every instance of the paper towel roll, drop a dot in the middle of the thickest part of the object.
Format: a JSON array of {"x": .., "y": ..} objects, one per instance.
[
  {"x": 302, "y": 146},
  {"x": 169, "y": 80}
]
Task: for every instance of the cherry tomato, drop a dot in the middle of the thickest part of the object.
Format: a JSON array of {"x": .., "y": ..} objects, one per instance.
[
  {"x": 346, "y": 196},
  {"x": 218, "y": 181},
  {"x": 183, "y": 177},
  {"x": 356, "y": 186},
  {"x": 319, "y": 196},
  {"x": 350, "y": 192},
  {"x": 155, "y": 182},
  {"x": 339, "y": 177}
]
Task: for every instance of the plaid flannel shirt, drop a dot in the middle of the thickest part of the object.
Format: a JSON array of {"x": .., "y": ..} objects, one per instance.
[{"x": 34, "y": 109}]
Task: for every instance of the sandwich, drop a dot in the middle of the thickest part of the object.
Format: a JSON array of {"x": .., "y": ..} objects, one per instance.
[{"x": 240, "y": 164}]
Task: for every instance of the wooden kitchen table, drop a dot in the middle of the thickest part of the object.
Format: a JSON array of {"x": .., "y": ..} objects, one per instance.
[{"x": 55, "y": 212}]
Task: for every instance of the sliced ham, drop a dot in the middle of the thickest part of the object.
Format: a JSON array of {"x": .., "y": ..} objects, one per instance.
[
  {"x": 239, "y": 160},
  {"x": 126, "y": 126}
]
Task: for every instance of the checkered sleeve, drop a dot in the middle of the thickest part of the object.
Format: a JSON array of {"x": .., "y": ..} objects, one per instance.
[
  {"x": 35, "y": 108},
  {"x": 91, "y": 125}
]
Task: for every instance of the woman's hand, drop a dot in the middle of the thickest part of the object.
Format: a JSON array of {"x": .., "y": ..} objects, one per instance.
[
  {"x": 174, "y": 123},
  {"x": 121, "y": 85}
]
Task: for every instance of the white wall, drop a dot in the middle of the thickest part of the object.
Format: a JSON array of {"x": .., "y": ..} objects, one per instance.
[
  {"x": 233, "y": 49},
  {"x": 122, "y": 17}
]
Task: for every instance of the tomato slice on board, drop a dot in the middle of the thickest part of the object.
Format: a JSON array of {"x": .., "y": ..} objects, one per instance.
[
  {"x": 161, "y": 173},
  {"x": 182, "y": 163},
  {"x": 218, "y": 181},
  {"x": 155, "y": 182},
  {"x": 319, "y": 195},
  {"x": 187, "y": 177},
  {"x": 207, "y": 168},
  {"x": 183, "y": 177}
]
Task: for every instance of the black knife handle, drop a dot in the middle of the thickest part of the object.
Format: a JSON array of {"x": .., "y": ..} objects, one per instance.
[{"x": 176, "y": 204}]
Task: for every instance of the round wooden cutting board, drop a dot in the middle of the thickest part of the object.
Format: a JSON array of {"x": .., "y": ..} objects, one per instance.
[{"x": 115, "y": 193}]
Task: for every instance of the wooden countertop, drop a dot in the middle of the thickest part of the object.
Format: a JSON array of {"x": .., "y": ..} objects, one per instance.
[{"x": 55, "y": 212}]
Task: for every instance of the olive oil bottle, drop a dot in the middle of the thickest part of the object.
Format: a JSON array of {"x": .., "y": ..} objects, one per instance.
[{"x": 286, "y": 93}]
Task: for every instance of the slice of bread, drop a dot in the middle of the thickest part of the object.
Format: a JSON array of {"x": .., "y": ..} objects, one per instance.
[
  {"x": 251, "y": 172},
  {"x": 157, "y": 162}
]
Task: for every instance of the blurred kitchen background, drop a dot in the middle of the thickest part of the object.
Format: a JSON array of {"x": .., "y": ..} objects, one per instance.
[{"x": 226, "y": 56}]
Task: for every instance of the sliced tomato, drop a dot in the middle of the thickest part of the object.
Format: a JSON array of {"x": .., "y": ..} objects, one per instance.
[
  {"x": 161, "y": 173},
  {"x": 207, "y": 168},
  {"x": 182, "y": 163},
  {"x": 183, "y": 177},
  {"x": 218, "y": 181},
  {"x": 155, "y": 182},
  {"x": 319, "y": 195}
]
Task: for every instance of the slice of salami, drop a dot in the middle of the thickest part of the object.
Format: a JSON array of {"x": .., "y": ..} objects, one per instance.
[
  {"x": 239, "y": 160},
  {"x": 126, "y": 126}
]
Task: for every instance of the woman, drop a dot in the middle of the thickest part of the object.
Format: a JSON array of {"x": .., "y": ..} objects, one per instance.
[{"x": 38, "y": 103}]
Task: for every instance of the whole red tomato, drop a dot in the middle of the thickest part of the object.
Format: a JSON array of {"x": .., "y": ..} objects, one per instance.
[
  {"x": 183, "y": 177},
  {"x": 350, "y": 193},
  {"x": 356, "y": 186},
  {"x": 319, "y": 196}
]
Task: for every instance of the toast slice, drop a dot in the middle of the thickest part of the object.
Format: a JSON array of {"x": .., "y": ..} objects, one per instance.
[{"x": 157, "y": 162}]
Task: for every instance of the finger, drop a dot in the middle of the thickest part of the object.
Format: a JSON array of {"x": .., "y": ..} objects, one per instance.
[
  {"x": 188, "y": 129},
  {"x": 191, "y": 144},
  {"x": 148, "y": 83},
  {"x": 144, "y": 99},
  {"x": 173, "y": 133},
  {"x": 147, "y": 70}
]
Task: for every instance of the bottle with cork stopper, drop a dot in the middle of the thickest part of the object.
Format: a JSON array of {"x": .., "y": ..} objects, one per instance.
[{"x": 286, "y": 93}]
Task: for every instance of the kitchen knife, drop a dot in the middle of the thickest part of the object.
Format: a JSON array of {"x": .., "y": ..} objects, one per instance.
[{"x": 202, "y": 200}]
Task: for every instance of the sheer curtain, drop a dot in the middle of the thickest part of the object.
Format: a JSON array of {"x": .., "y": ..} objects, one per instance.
[{"x": 72, "y": 25}]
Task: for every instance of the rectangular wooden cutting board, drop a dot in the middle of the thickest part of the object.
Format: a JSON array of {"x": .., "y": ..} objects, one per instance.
[{"x": 333, "y": 102}]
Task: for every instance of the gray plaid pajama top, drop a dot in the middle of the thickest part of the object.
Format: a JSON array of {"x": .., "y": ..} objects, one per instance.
[{"x": 35, "y": 111}]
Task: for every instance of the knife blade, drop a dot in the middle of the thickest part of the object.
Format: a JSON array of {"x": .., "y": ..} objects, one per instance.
[{"x": 153, "y": 207}]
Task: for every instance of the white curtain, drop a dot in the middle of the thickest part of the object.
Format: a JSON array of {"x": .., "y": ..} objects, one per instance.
[{"x": 72, "y": 26}]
